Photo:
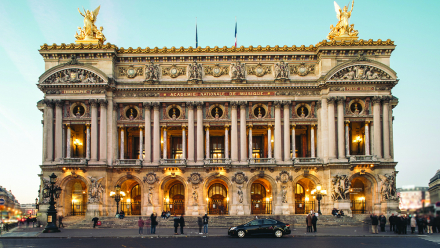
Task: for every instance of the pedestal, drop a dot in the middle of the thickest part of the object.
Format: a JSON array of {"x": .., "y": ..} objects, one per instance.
[
  {"x": 286, "y": 209},
  {"x": 150, "y": 210},
  {"x": 240, "y": 210},
  {"x": 93, "y": 210},
  {"x": 389, "y": 207},
  {"x": 194, "y": 210},
  {"x": 42, "y": 214},
  {"x": 344, "y": 205}
]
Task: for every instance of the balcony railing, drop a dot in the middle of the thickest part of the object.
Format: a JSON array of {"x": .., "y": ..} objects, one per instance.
[
  {"x": 174, "y": 162},
  {"x": 128, "y": 162},
  {"x": 217, "y": 161},
  {"x": 74, "y": 161},
  {"x": 306, "y": 161},
  {"x": 261, "y": 161},
  {"x": 362, "y": 158}
]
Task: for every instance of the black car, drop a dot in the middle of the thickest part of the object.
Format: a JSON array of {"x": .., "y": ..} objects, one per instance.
[{"x": 260, "y": 227}]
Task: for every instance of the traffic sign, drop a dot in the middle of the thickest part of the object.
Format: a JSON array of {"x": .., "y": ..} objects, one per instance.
[{"x": 2, "y": 202}]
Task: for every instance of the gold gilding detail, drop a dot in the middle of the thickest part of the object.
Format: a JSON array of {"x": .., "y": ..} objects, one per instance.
[
  {"x": 90, "y": 33},
  {"x": 343, "y": 30}
]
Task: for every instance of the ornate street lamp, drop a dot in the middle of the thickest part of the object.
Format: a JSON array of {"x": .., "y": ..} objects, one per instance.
[
  {"x": 319, "y": 193},
  {"x": 54, "y": 193},
  {"x": 117, "y": 196}
]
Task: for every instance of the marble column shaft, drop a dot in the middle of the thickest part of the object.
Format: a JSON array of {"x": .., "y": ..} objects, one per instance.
[
  {"x": 386, "y": 130},
  {"x": 341, "y": 147},
  {"x": 68, "y": 141},
  {"x": 293, "y": 142},
  {"x": 190, "y": 132},
  {"x": 347, "y": 139},
  {"x": 226, "y": 142},
  {"x": 122, "y": 143},
  {"x": 147, "y": 158},
  {"x": 377, "y": 128},
  {"x": 312, "y": 141},
  {"x": 243, "y": 157},
  {"x": 156, "y": 134},
  {"x": 165, "y": 143},
  {"x": 49, "y": 132},
  {"x": 207, "y": 150},
  {"x": 250, "y": 141},
  {"x": 277, "y": 140},
  {"x": 269, "y": 141},
  {"x": 331, "y": 130},
  {"x": 88, "y": 147},
  {"x": 286, "y": 113},
  {"x": 324, "y": 129},
  {"x": 103, "y": 132},
  {"x": 200, "y": 133},
  {"x": 367, "y": 138},
  {"x": 141, "y": 142},
  {"x": 94, "y": 132},
  {"x": 58, "y": 131},
  {"x": 234, "y": 133},
  {"x": 183, "y": 142}
]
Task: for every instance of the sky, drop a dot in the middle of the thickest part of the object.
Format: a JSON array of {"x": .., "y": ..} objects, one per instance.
[{"x": 26, "y": 25}]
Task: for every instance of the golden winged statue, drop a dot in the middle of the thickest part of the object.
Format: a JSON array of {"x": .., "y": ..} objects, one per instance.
[
  {"x": 343, "y": 30},
  {"x": 90, "y": 33}
]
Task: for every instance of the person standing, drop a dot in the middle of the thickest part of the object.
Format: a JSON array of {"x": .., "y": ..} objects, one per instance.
[
  {"x": 153, "y": 219},
  {"x": 314, "y": 220},
  {"x": 182, "y": 223},
  {"x": 176, "y": 224},
  {"x": 141, "y": 225},
  {"x": 413, "y": 224},
  {"x": 200, "y": 224},
  {"x": 429, "y": 222},
  {"x": 309, "y": 223},
  {"x": 419, "y": 222},
  {"x": 383, "y": 222},
  {"x": 374, "y": 223},
  {"x": 60, "y": 221},
  {"x": 205, "y": 223},
  {"x": 392, "y": 221},
  {"x": 95, "y": 221}
]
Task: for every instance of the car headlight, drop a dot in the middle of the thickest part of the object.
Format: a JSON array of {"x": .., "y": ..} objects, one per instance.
[{"x": 233, "y": 228}]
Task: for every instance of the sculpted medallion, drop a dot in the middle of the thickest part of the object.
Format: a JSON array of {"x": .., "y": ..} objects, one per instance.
[
  {"x": 151, "y": 178},
  {"x": 284, "y": 177},
  {"x": 303, "y": 69},
  {"x": 216, "y": 70},
  {"x": 173, "y": 71},
  {"x": 259, "y": 70},
  {"x": 195, "y": 178},
  {"x": 239, "y": 178}
]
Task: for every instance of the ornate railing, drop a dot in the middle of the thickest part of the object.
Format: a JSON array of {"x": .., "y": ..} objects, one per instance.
[
  {"x": 361, "y": 158},
  {"x": 306, "y": 160},
  {"x": 74, "y": 161},
  {"x": 259, "y": 161},
  {"x": 173, "y": 162},
  {"x": 217, "y": 161},
  {"x": 128, "y": 162}
]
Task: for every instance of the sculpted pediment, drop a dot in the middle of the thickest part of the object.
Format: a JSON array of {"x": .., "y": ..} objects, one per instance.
[
  {"x": 360, "y": 72},
  {"x": 73, "y": 72}
]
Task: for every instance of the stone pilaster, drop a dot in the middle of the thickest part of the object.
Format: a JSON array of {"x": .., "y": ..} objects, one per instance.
[
  {"x": 277, "y": 140},
  {"x": 147, "y": 109},
  {"x": 190, "y": 131},
  {"x": 94, "y": 131},
  {"x": 156, "y": 133},
  {"x": 200, "y": 132},
  {"x": 243, "y": 157},
  {"x": 58, "y": 130},
  {"x": 234, "y": 132},
  {"x": 286, "y": 113},
  {"x": 103, "y": 132}
]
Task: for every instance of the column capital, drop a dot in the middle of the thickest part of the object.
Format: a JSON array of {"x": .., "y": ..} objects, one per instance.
[
  {"x": 286, "y": 103},
  {"x": 141, "y": 127},
  {"x": 59, "y": 103},
  {"x": 312, "y": 126},
  {"x": 234, "y": 104},
  {"x": 147, "y": 105},
  {"x": 156, "y": 105},
  {"x": 250, "y": 126},
  {"x": 88, "y": 125},
  {"x": 115, "y": 106},
  {"x": 386, "y": 99},
  {"x": 347, "y": 122},
  {"x": 367, "y": 122},
  {"x": 49, "y": 103},
  {"x": 199, "y": 105},
  {"x": 318, "y": 104},
  {"x": 293, "y": 126},
  {"x": 207, "y": 127},
  {"x": 331, "y": 99},
  {"x": 190, "y": 104},
  {"x": 340, "y": 99},
  {"x": 242, "y": 104},
  {"x": 277, "y": 104},
  {"x": 103, "y": 102},
  {"x": 93, "y": 102},
  {"x": 121, "y": 127},
  {"x": 226, "y": 127},
  {"x": 67, "y": 125},
  {"x": 269, "y": 125},
  {"x": 376, "y": 99}
]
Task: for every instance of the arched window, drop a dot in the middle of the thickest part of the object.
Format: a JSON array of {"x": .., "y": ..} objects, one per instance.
[
  {"x": 177, "y": 190},
  {"x": 258, "y": 189},
  {"x": 217, "y": 189},
  {"x": 135, "y": 193},
  {"x": 299, "y": 189}
]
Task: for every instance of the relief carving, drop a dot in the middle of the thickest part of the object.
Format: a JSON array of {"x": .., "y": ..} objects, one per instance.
[
  {"x": 361, "y": 72},
  {"x": 259, "y": 70},
  {"x": 73, "y": 75},
  {"x": 216, "y": 70}
]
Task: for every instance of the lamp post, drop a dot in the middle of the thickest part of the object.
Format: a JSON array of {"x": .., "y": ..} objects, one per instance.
[
  {"x": 54, "y": 193},
  {"x": 319, "y": 193},
  {"x": 117, "y": 196}
]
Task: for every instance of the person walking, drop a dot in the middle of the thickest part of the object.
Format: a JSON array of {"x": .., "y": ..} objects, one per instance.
[
  {"x": 429, "y": 222},
  {"x": 200, "y": 224},
  {"x": 314, "y": 220},
  {"x": 413, "y": 224},
  {"x": 309, "y": 223},
  {"x": 392, "y": 221},
  {"x": 141, "y": 225},
  {"x": 60, "y": 221},
  {"x": 205, "y": 223},
  {"x": 176, "y": 224},
  {"x": 383, "y": 222},
  {"x": 374, "y": 223},
  {"x": 95, "y": 221},
  {"x": 182, "y": 224},
  {"x": 153, "y": 219}
]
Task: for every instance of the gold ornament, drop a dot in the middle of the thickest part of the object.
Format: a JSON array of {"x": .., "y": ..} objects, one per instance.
[
  {"x": 90, "y": 33},
  {"x": 343, "y": 30}
]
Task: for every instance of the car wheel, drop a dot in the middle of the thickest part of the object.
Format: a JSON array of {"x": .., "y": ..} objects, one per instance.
[
  {"x": 241, "y": 234},
  {"x": 278, "y": 233}
]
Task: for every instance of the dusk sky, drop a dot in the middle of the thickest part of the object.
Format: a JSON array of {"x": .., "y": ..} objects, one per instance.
[{"x": 25, "y": 25}]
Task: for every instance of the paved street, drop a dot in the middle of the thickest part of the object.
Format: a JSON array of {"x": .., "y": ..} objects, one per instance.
[{"x": 290, "y": 241}]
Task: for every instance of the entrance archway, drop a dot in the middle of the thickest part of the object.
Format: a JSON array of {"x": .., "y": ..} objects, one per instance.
[
  {"x": 131, "y": 203},
  {"x": 261, "y": 197},
  {"x": 361, "y": 195},
  {"x": 175, "y": 201},
  {"x": 304, "y": 202},
  {"x": 218, "y": 199},
  {"x": 76, "y": 197}
]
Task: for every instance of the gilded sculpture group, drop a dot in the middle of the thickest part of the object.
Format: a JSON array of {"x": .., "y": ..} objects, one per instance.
[{"x": 341, "y": 31}]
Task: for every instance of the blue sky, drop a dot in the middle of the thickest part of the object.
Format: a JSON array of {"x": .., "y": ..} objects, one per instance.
[{"x": 25, "y": 25}]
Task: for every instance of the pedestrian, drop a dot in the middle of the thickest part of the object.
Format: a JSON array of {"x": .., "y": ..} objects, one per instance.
[
  {"x": 141, "y": 225},
  {"x": 60, "y": 221},
  {"x": 405, "y": 223},
  {"x": 398, "y": 220},
  {"x": 147, "y": 225},
  {"x": 383, "y": 222},
  {"x": 392, "y": 221},
  {"x": 182, "y": 223},
  {"x": 309, "y": 223},
  {"x": 176, "y": 224},
  {"x": 436, "y": 224},
  {"x": 154, "y": 223},
  {"x": 200, "y": 224},
  {"x": 419, "y": 222},
  {"x": 413, "y": 224},
  {"x": 95, "y": 221},
  {"x": 121, "y": 214},
  {"x": 374, "y": 223},
  {"x": 27, "y": 221},
  {"x": 168, "y": 214},
  {"x": 314, "y": 220},
  {"x": 341, "y": 212},
  {"x": 163, "y": 215},
  {"x": 205, "y": 223},
  {"x": 429, "y": 222}
]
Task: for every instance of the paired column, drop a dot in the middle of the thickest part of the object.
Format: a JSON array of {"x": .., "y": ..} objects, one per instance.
[
  {"x": 312, "y": 141},
  {"x": 324, "y": 129},
  {"x": 376, "y": 126},
  {"x": 58, "y": 130},
  {"x": 207, "y": 142},
  {"x": 199, "y": 131},
  {"x": 250, "y": 141},
  {"x": 122, "y": 142},
  {"x": 386, "y": 128},
  {"x": 183, "y": 142},
  {"x": 103, "y": 132},
  {"x": 367, "y": 138},
  {"x": 341, "y": 127},
  {"x": 286, "y": 113},
  {"x": 147, "y": 158},
  {"x": 331, "y": 128},
  {"x": 347, "y": 138},
  {"x": 269, "y": 141},
  {"x": 68, "y": 141},
  {"x": 190, "y": 131},
  {"x": 165, "y": 143},
  {"x": 49, "y": 130},
  {"x": 156, "y": 133},
  {"x": 243, "y": 157},
  {"x": 277, "y": 143},
  {"x": 293, "y": 141},
  {"x": 234, "y": 132},
  {"x": 226, "y": 141},
  {"x": 94, "y": 136},
  {"x": 141, "y": 142},
  {"x": 88, "y": 141}
]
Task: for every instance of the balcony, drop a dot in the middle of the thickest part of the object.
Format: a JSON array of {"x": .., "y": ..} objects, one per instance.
[
  {"x": 261, "y": 161},
  {"x": 306, "y": 161},
  {"x": 173, "y": 162},
  {"x": 74, "y": 161},
  {"x": 128, "y": 162},
  {"x": 362, "y": 158},
  {"x": 217, "y": 161}
]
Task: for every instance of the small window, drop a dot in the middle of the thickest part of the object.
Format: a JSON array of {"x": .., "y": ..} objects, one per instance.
[
  {"x": 269, "y": 222},
  {"x": 255, "y": 222}
]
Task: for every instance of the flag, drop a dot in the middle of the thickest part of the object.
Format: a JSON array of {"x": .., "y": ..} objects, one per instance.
[
  {"x": 235, "y": 31},
  {"x": 197, "y": 39}
]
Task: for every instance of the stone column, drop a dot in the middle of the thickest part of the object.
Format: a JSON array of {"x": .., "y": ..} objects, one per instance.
[
  {"x": 277, "y": 140},
  {"x": 234, "y": 132},
  {"x": 386, "y": 128},
  {"x": 165, "y": 143},
  {"x": 293, "y": 141},
  {"x": 367, "y": 138},
  {"x": 183, "y": 142},
  {"x": 88, "y": 142},
  {"x": 103, "y": 132},
  {"x": 141, "y": 142},
  {"x": 190, "y": 131},
  {"x": 200, "y": 132},
  {"x": 312, "y": 141},
  {"x": 68, "y": 141},
  {"x": 324, "y": 129},
  {"x": 347, "y": 139},
  {"x": 207, "y": 150},
  {"x": 269, "y": 141},
  {"x": 49, "y": 130},
  {"x": 156, "y": 133},
  {"x": 147, "y": 158},
  {"x": 58, "y": 130},
  {"x": 319, "y": 130},
  {"x": 226, "y": 141},
  {"x": 331, "y": 128},
  {"x": 115, "y": 132},
  {"x": 243, "y": 157},
  {"x": 286, "y": 113},
  {"x": 376, "y": 126},
  {"x": 250, "y": 141},
  {"x": 341, "y": 127},
  {"x": 94, "y": 135},
  {"x": 122, "y": 142}
]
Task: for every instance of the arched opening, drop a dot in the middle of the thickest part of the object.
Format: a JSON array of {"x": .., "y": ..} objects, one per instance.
[
  {"x": 76, "y": 197},
  {"x": 360, "y": 195},
  {"x": 261, "y": 197},
  {"x": 175, "y": 200},
  {"x": 304, "y": 201},
  {"x": 131, "y": 203},
  {"x": 218, "y": 199}
]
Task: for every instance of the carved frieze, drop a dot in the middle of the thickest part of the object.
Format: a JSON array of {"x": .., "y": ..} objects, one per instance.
[
  {"x": 299, "y": 93},
  {"x": 216, "y": 70},
  {"x": 238, "y": 72},
  {"x": 259, "y": 70},
  {"x": 361, "y": 72},
  {"x": 131, "y": 71},
  {"x": 302, "y": 69},
  {"x": 173, "y": 71},
  {"x": 151, "y": 73},
  {"x": 136, "y": 94},
  {"x": 73, "y": 75},
  {"x": 239, "y": 178},
  {"x": 281, "y": 71},
  {"x": 96, "y": 190}
]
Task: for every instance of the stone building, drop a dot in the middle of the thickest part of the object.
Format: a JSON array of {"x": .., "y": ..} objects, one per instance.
[
  {"x": 236, "y": 131},
  {"x": 434, "y": 192},
  {"x": 9, "y": 205}
]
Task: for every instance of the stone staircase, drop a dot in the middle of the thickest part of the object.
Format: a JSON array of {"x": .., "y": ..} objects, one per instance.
[{"x": 220, "y": 221}]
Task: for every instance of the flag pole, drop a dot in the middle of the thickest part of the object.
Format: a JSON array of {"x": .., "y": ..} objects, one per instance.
[
  {"x": 197, "y": 39},
  {"x": 235, "y": 31}
]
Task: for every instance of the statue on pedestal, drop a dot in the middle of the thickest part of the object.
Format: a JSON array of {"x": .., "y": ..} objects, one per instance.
[
  {"x": 343, "y": 30},
  {"x": 90, "y": 33}
]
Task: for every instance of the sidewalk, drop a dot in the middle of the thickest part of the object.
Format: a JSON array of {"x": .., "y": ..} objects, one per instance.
[{"x": 300, "y": 231}]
